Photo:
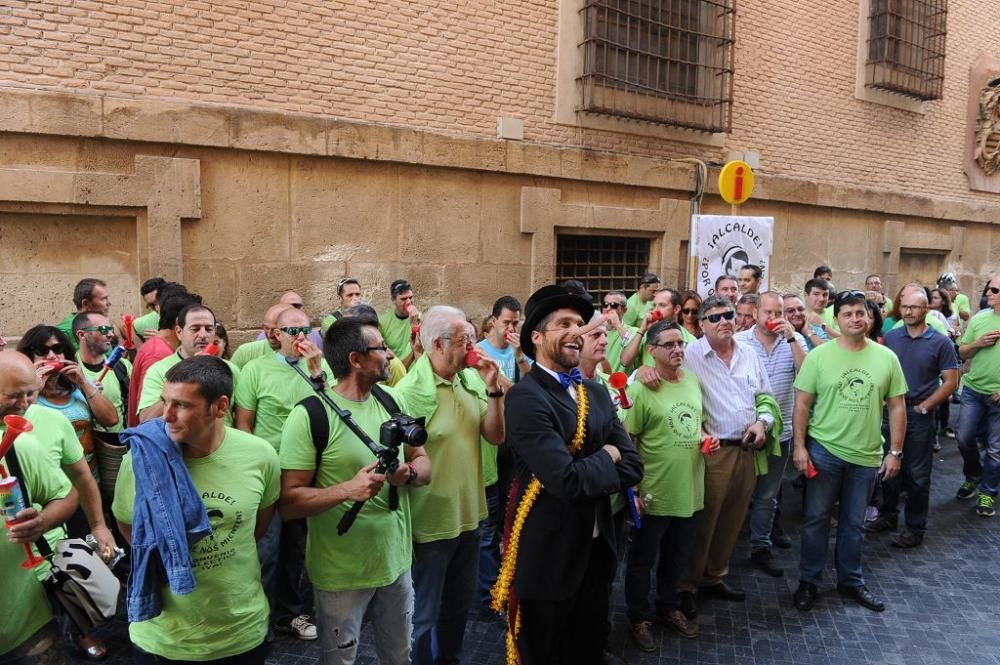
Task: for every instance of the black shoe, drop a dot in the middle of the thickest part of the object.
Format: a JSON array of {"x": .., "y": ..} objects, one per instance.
[
  {"x": 864, "y": 597},
  {"x": 765, "y": 561},
  {"x": 880, "y": 524},
  {"x": 687, "y": 604},
  {"x": 805, "y": 596},
  {"x": 778, "y": 537},
  {"x": 906, "y": 539},
  {"x": 723, "y": 591}
]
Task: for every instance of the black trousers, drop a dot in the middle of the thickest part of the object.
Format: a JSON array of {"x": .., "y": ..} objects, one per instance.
[{"x": 571, "y": 631}]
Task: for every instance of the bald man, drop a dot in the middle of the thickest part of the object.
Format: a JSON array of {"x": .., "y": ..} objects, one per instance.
[
  {"x": 266, "y": 341},
  {"x": 290, "y": 299}
]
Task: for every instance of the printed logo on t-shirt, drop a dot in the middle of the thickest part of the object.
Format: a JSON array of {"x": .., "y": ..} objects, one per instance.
[
  {"x": 226, "y": 521},
  {"x": 683, "y": 420},
  {"x": 855, "y": 388}
]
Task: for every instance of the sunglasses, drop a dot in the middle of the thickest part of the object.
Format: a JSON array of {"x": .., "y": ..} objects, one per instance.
[
  {"x": 847, "y": 295},
  {"x": 690, "y": 310},
  {"x": 670, "y": 345},
  {"x": 297, "y": 305},
  {"x": 43, "y": 350},
  {"x": 104, "y": 330},
  {"x": 295, "y": 331},
  {"x": 612, "y": 305},
  {"x": 715, "y": 318},
  {"x": 992, "y": 289}
]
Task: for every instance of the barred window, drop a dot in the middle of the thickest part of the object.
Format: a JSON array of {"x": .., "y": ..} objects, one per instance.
[
  {"x": 906, "y": 42},
  {"x": 602, "y": 263},
  {"x": 663, "y": 61}
]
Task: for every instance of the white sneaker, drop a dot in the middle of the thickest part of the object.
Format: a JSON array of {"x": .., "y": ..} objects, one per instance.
[{"x": 300, "y": 627}]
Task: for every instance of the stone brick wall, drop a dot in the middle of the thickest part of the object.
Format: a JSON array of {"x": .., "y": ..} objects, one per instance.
[{"x": 455, "y": 67}]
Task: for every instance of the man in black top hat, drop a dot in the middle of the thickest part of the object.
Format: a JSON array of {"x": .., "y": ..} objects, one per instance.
[{"x": 560, "y": 543}]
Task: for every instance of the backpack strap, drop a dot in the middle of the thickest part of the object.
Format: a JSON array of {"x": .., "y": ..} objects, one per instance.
[
  {"x": 121, "y": 373},
  {"x": 14, "y": 467},
  {"x": 319, "y": 427}
]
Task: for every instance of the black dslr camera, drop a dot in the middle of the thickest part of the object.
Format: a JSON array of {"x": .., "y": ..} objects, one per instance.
[{"x": 402, "y": 429}]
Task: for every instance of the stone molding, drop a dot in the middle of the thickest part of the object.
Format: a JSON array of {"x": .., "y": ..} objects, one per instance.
[
  {"x": 32, "y": 111},
  {"x": 896, "y": 240},
  {"x": 166, "y": 189}
]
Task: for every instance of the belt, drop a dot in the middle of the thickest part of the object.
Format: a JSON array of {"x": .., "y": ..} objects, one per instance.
[{"x": 731, "y": 442}]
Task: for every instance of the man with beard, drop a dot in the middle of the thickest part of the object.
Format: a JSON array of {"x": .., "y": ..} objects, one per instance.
[
  {"x": 93, "y": 334},
  {"x": 89, "y": 295},
  {"x": 571, "y": 453},
  {"x": 323, "y": 489}
]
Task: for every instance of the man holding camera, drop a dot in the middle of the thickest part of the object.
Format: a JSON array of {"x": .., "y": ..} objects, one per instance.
[
  {"x": 369, "y": 565},
  {"x": 450, "y": 395}
]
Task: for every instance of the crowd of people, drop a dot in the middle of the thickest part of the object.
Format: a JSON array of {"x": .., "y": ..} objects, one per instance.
[{"x": 410, "y": 468}]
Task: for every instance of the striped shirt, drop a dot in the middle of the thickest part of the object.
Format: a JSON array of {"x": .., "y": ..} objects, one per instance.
[
  {"x": 728, "y": 392},
  {"x": 780, "y": 367}
]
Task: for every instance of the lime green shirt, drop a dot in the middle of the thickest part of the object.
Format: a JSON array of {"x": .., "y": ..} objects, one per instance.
[
  {"x": 396, "y": 332},
  {"x": 111, "y": 388},
  {"x": 227, "y": 613},
  {"x": 397, "y": 370},
  {"x": 984, "y": 371},
  {"x": 636, "y": 310},
  {"x": 961, "y": 304},
  {"x": 378, "y": 547},
  {"x": 270, "y": 387},
  {"x": 850, "y": 388},
  {"x": 152, "y": 384},
  {"x": 666, "y": 425},
  {"x": 55, "y": 432},
  {"x": 250, "y": 351},
  {"x": 328, "y": 321},
  {"x": 829, "y": 319},
  {"x": 455, "y": 501},
  {"x": 931, "y": 320},
  {"x": 647, "y": 357},
  {"x": 66, "y": 326},
  {"x": 148, "y": 322},
  {"x": 27, "y": 609},
  {"x": 616, "y": 345}
]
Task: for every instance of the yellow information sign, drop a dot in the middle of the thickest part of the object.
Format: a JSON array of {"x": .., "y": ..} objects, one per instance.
[{"x": 736, "y": 182}]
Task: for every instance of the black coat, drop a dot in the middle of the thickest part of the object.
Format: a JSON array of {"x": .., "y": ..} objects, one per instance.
[{"x": 558, "y": 534}]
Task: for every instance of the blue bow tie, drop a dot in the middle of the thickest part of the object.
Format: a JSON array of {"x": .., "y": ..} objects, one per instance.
[{"x": 571, "y": 377}]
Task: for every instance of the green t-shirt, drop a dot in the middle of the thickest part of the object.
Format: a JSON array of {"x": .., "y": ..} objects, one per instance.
[
  {"x": 829, "y": 319},
  {"x": 55, "y": 432},
  {"x": 250, "y": 351},
  {"x": 328, "y": 321},
  {"x": 455, "y": 500},
  {"x": 156, "y": 376},
  {"x": 636, "y": 310},
  {"x": 984, "y": 370},
  {"x": 615, "y": 348},
  {"x": 378, "y": 547},
  {"x": 111, "y": 388},
  {"x": 148, "y": 322},
  {"x": 666, "y": 424},
  {"x": 888, "y": 304},
  {"x": 227, "y": 613},
  {"x": 961, "y": 304},
  {"x": 270, "y": 387},
  {"x": 850, "y": 388},
  {"x": 931, "y": 320},
  {"x": 647, "y": 357},
  {"x": 27, "y": 610},
  {"x": 66, "y": 326},
  {"x": 396, "y": 332}
]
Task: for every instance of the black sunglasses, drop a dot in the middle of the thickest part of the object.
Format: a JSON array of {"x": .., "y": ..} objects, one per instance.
[
  {"x": 43, "y": 350},
  {"x": 728, "y": 315},
  {"x": 612, "y": 305},
  {"x": 992, "y": 289},
  {"x": 690, "y": 310},
  {"x": 847, "y": 295}
]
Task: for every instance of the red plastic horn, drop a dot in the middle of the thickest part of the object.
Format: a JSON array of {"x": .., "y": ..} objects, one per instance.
[
  {"x": 472, "y": 358},
  {"x": 211, "y": 350},
  {"x": 128, "y": 321},
  {"x": 706, "y": 446},
  {"x": 16, "y": 426},
  {"x": 618, "y": 381},
  {"x": 811, "y": 471},
  {"x": 56, "y": 365},
  {"x": 415, "y": 330},
  {"x": 656, "y": 315},
  {"x": 772, "y": 325}
]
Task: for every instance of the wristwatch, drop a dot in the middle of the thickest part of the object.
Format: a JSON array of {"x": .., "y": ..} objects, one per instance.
[
  {"x": 898, "y": 454},
  {"x": 497, "y": 395}
]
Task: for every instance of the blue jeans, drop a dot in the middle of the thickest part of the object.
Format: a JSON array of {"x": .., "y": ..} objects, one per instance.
[
  {"x": 444, "y": 586},
  {"x": 850, "y": 483},
  {"x": 390, "y": 610},
  {"x": 915, "y": 475},
  {"x": 979, "y": 412},
  {"x": 489, "y": 544},
  {"x": 765, "y": 499}
]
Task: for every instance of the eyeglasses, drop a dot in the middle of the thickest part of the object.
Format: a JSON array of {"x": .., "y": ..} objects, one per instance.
[
  {"x": 728, "y": 315},
  {"x": 104, "y": 330},
  {"x": 383, "y": 349},
  {"x": 295, "y": 331},
  {"x": 690, "y": 310},
  {"x": 464, "y": 339},
  {"x": 992, "y": 289},
  {"x": 910, "y": 307},
  {"x": 670, "y": 345},
  {"x": 794, "y": 309},
  {"x": 43, "y": 350},
  {"x": 612, "y": 305},
  {"x": 847, "y": 295}
]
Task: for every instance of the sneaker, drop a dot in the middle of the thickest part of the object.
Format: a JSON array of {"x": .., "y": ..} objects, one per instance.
[
  {"x": 985, "y": 507},
  {"x": 967, "y": 490},
  {"x": 949, "y": 432},
  {"x": 642, "y": 636},
  {"x": 937, "y": 446},
  {"x": 300, "y": 627},
  {"x": 680, "y": 624},
  {"x": 871, "y": 513},
  {"x": 880, "y": 524}
]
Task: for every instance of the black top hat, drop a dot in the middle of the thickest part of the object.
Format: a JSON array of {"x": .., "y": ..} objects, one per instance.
[{"x": 543, "y": 302}]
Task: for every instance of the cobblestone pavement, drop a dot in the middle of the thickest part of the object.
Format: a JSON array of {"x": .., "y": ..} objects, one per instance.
[{"x": 942, "y": 600}]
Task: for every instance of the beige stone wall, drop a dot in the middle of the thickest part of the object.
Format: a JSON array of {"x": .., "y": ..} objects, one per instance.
[{"x": 456, "y": 67}]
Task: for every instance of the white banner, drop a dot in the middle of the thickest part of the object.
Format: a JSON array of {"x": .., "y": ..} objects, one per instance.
[{"x": 726, "y": 243}]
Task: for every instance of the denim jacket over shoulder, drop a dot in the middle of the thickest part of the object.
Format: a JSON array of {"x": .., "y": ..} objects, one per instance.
[{"x": 168, "y": 518}]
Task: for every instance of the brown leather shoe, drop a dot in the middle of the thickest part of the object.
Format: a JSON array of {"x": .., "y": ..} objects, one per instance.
[
  {"x": 676, "y": 621},
  {"x": 642, "y": 635}
]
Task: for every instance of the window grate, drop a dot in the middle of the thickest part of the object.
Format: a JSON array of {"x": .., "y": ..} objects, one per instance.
[
  {"x": 906, "y": 47},
  {"x": 602, "y": 263},
  {"x": 664, "y": 61}
]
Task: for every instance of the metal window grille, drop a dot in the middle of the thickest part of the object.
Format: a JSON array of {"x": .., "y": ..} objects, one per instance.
[
  {"x": 602, "y": 263},
  {"x": 906, "y": 42},
  {"x": 663, "y": 61}
]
